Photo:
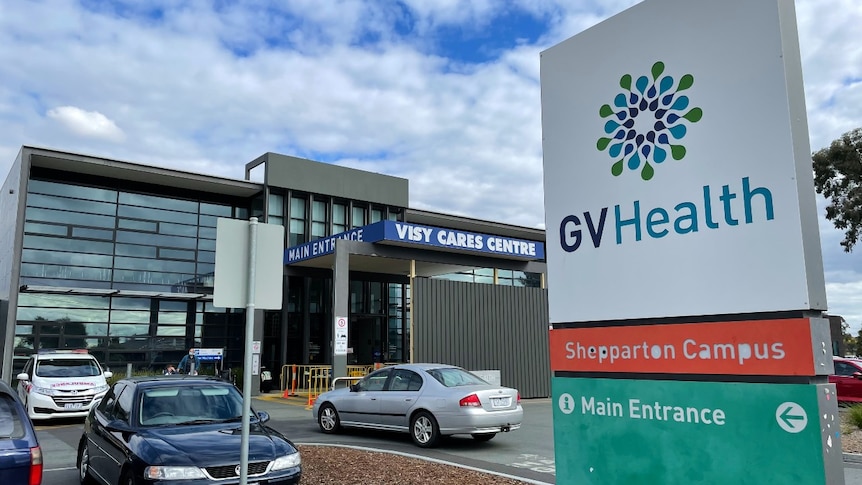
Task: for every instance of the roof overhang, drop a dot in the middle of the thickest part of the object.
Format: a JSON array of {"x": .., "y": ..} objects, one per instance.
[{"x": 103, "y": 167}]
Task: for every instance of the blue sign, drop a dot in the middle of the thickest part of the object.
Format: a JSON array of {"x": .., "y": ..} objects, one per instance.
[{"x": 414, "y": 234}]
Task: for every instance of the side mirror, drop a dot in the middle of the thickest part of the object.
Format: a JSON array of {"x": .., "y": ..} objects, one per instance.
[
  {"x": 263, "y": 416},
  {"x": 23, "y": 377},
  {"x": 857, "y": 375},
  {"x": 108, "y": 374},
  {"x": 354, "y": 388}
]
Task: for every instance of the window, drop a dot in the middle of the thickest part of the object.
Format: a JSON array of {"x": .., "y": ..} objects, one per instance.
[
  {"x": 405, "y": 380},
  {"x": 276, "y": 209},
  {"x": 297, "y": 221},
  {"x": 67, "y": 368},
  {"x": 106, "y": 406},
  {"x": 123, "y": 409},
  {"x": 318, "y": 219},
  {"x": 10, "y": 420},
  {"x": 376, "y": 215},
  {"x": 358, "y": 217},
  {"x": 454, "y": 377},
  {"x": 374, "y": 381},
  {"x": 844, "y": 369},
  {"x": 339, "y": 218}
]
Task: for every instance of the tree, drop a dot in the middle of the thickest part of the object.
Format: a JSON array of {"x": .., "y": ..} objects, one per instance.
[
  {"x": 851, "y": 344},
  {"x": 838, "y": 177}
]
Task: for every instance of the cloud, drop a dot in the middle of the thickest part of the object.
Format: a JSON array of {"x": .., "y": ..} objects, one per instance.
[
  {"x": 209, "y": 86},
  {"x": 87, "y": 123}
]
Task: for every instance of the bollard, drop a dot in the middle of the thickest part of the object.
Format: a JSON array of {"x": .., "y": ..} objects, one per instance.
[{"x": 128, "y": 370}]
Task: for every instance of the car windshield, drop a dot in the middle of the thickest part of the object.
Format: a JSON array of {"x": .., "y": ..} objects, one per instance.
[
  {"x": 11, "y": 426},
  {"x": 454, "y": 377},
  {"x": 176, "y": 405},
  {"x": 67, "y": 368}
]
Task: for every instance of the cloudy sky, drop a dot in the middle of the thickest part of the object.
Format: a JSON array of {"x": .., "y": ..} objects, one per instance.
[{"x": 443, "y": 92}]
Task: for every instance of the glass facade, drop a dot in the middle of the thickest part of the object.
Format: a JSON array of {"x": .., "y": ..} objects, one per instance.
[
  {"x": 80, "y": 241},
  {"x": 129, "y": 274},
  {"x": 506, "y": 277}
]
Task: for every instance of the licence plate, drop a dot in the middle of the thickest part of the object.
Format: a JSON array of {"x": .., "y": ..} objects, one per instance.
[
  {"x": 500, "y": 402},
  {"x": 73, "y": 405}
]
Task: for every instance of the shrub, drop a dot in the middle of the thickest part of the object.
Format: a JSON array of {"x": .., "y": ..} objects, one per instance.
[{"x": 854, "y": 415}]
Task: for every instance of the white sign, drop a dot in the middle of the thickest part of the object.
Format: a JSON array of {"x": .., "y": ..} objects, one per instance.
[
  {"x": 255, "y": 346},
  {"x": 230, "y": 288},
  {"x": 677, "y": 168},
  {"x": 340, "y": 345},
  {"x": 255, "y": 364}
]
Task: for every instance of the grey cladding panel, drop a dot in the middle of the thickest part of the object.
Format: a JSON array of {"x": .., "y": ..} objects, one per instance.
[
  {"x": 484, "y": 327},
  {"x": 323, "y": 178}
]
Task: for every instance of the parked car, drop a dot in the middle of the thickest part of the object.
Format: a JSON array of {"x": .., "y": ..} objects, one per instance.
[
  {"x": 847, "y": 379},
  {"x": 61, "y": 384},
  {"x": 20, "y": 454},
  {"x": 180, "y": 429},
  {"x": 426, "y": 400}
]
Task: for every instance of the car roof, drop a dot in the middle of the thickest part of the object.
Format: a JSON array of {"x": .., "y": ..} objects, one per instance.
[
  {"x": 63, "y": 355},
  {"x": 173, "y": 380},
  {"x": 424, "y": 366}
]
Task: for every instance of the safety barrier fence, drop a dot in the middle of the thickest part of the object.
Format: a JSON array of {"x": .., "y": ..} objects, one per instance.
[{"x": 303, "y": 378}]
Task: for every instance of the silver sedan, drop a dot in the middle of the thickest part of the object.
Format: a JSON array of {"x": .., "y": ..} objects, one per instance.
[{"x": 426, "y": 400}]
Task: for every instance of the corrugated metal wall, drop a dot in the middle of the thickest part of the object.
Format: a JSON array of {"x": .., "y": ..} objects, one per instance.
[{"x": 485, "y": 327}]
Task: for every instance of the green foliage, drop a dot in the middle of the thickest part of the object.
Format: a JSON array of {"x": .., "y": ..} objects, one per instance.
[
  {"x": 854, "y": 415},
  {"x": 838, "y": 177},
  {"x": 856, "y": 349},
  {"x": 135, "y": 373}
]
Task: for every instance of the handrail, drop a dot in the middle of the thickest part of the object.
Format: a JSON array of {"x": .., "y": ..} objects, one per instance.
[{"x": 349, "y": 378}]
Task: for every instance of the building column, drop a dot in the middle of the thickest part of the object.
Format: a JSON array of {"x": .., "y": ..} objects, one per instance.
[{"x": 341, "y": 295}]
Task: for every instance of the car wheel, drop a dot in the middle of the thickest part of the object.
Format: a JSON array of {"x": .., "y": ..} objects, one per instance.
[
  {"x": 84, "y": 464},
  {"x": 424, "y": 429},
  {"x": 328, "y": 419},
  {"x": 483, "y": 436}
]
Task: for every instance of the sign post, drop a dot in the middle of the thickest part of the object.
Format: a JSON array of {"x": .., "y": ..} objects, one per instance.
[
  {"x": 685, "y": 277},
  {"x": 245, "y": 276}
]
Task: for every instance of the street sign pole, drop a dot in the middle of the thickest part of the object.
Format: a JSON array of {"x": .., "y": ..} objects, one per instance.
[
  {"x": 244, "y": 280},
  {"x": 249, "y": 336}
]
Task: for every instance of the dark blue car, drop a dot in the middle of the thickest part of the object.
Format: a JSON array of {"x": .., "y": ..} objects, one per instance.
[
  {"x": 20, "y": 455},
  {"x": 180, "y": 430}
]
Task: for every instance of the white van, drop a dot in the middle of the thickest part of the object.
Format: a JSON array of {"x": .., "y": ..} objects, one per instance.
[{"x": 61, "y": 384}]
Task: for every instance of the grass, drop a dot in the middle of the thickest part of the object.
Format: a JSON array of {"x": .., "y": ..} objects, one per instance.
[{"x": 854, "y": 415}]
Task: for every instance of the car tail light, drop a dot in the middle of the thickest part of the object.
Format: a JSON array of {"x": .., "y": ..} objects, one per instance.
[
  {"x": 471, "y": 400},
  {"x": 519, "y": 398},
  {"x": 35, "y": 466}
]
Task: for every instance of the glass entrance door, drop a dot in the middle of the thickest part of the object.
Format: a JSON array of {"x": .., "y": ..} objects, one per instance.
[{"x": 367, "y": 339}]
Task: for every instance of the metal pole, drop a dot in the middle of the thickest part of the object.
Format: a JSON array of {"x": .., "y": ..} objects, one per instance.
[{"x": 246, "y": 367}]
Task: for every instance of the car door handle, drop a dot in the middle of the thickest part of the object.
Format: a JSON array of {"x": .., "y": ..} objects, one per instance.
[{"x": 408, "y": 399}]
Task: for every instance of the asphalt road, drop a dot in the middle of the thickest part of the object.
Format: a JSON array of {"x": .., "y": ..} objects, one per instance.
[{"x": 526, "y": 454}]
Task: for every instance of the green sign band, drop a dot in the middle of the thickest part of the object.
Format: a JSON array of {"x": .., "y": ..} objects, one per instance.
[{"x": 621, "y": 431}]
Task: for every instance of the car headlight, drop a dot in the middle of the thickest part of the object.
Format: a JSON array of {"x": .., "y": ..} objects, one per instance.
[
  {"x": 173, "y": 472},
  {"x": 286, "y": 461},
  {"x": 101, "y": 388},
  {"x": 44, "y": 390}
]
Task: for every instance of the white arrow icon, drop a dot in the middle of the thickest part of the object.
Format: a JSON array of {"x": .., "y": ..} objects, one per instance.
[{"x": 791, "y": 417}]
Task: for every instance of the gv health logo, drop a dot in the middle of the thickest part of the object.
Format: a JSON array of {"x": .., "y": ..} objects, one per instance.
[{"x": 646, "y": 122}]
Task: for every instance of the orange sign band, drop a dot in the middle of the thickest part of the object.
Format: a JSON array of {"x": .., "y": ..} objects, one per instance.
[{"x": 753, "y": 347}]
